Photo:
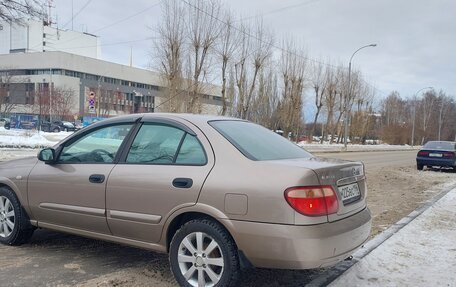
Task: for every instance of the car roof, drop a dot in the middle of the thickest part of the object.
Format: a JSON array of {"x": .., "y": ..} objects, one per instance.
[{"x": 194, "y": 118}]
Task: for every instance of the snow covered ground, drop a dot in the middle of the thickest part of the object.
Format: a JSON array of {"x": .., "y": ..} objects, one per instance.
[
  {"x": 421, "y": 254},
  {"x": 326, "y": 147},
  {"x": 29, "y": 138}
]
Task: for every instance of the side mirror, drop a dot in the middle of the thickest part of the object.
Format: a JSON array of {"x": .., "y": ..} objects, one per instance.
[{"x": 47, "y": 155}]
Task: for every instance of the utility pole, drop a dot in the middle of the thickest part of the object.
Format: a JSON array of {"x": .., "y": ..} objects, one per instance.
[{"x": 346, "y": 106}]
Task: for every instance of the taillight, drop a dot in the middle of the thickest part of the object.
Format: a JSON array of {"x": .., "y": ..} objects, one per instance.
[
  {"x": 423, "y": 153},
  {"x": 312, "y": 200},
  {"x": 449, "y": 154}
]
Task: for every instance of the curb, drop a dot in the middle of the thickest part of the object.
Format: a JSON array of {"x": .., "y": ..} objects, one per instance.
[{"x": 332, "y": 274}]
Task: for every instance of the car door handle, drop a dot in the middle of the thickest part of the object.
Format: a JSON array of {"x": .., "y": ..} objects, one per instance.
[
  {"x": 182, "y": 182},
  {"x": 97, "y": 178}
]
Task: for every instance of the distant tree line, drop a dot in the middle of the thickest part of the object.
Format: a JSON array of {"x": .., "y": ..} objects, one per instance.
[{"x": 429, "y": 117}]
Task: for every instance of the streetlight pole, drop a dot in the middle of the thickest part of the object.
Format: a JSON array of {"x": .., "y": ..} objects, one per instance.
[
  {"x": 414, "y": 113},
  {"x": 349, "y": 95}
]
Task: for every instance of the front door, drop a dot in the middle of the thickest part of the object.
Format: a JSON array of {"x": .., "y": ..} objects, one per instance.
[{"x": 71, "y": 192}]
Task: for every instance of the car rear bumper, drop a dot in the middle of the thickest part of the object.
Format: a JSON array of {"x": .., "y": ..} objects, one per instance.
[
  {"x": 436, "y": 162},
  {"x": 301, "y": 247}
]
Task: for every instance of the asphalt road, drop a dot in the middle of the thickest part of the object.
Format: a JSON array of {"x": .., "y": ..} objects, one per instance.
[
  {"x": 377, "y": 159},
  {"x": 55, "y": 259}
]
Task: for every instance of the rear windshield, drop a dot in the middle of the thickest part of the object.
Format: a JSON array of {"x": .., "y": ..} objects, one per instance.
[
  {"x": 440, "y": 145},
  {"x": 257, "y": 142}
]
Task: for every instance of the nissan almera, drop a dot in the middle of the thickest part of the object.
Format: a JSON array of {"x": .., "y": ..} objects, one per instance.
[{"x": 215, "y": 193}]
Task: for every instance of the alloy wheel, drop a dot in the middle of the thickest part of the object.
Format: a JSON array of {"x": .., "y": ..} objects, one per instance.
[
  {"x": 200, "y": 260},
  {"x": 7, "y": 217}
]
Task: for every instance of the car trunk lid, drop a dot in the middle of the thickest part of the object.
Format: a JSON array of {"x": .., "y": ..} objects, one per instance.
[{"x": 346, "y": 177}]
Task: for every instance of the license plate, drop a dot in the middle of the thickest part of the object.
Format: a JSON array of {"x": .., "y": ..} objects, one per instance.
[
  {"x": 435, "y": 154},
  {"x": 349, "y": 192}
]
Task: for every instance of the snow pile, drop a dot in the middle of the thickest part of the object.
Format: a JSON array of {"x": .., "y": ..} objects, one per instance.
[{"x": 29, "y": 138}]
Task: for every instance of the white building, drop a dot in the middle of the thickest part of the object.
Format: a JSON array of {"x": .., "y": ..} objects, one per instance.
[
  {"x": 35, "y": 36},
  {"x": 42, "y": 61}
]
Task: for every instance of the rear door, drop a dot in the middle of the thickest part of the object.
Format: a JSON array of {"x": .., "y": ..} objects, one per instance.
[{"x": 163, "y": 169}]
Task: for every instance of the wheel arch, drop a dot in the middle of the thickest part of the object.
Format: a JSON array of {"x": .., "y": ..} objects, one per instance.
[
  {"x": 6, "y": 182},
  {"x": 183, "y": 216}
]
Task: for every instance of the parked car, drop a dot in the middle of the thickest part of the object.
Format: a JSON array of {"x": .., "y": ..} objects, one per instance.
[
  {"x": 65, "y": 126},
  {"x": 215, "y": 193},
  {"x": 441, "y": 154},
  {"x": 6, "y": 123},
  {"x": 50, "y": 127}
]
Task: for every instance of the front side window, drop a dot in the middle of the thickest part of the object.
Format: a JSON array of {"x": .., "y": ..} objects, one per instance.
[
  {"x": 257, "y": 142},
  {"x": 99, "y": 146},
  {"x": 163, "y": 144}
]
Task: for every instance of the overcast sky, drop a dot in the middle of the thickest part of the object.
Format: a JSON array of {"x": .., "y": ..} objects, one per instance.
[{"x": 416, "y": 38}]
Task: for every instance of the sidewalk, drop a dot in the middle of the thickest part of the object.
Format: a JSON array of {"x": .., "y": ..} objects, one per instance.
[{"x": 421, "y": 254}]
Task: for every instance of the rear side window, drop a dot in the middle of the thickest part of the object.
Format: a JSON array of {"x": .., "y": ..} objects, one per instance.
[
  {"x": 191, "y": 152},
  {"x": 257, "y": 142},
  {"x": 155, "y": 144},
  {"x": 163, "y": 144},
  {"x": 440, "y": 145}
]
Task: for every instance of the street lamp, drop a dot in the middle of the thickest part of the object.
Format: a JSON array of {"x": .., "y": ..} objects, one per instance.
[
  {"x": 349, "y": 92},
  {"x": 414, "y": 113}
]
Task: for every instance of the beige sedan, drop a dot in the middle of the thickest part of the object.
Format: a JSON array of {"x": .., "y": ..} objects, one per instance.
[{"x": 216, "y": 193}]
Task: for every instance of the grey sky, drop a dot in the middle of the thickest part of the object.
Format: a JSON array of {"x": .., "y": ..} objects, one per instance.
[{"x": 416, "y": 38}]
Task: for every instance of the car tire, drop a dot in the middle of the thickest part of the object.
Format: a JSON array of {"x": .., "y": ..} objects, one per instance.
[
  {"x": 56, "y": 130},
  {"x": 189, "y": 254},
  {"x": 15, "y": 227},
  {"x": 419, "y": 166}
]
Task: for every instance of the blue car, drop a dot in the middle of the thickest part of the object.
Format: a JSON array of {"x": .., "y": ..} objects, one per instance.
[{"x": 437, "y": 154}]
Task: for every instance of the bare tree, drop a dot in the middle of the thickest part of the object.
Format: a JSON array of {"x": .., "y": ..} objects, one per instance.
[
  {"x": 427, "y": 108},
  {"x": 203, "y": 28},
  {"x": 319, "y": 85},
  {"x": 267, "y": 98},
  {"x": 330, "y": 101},
  {"x": 17, "y": 10},
  {"x": 6, "y": 104},
  {"x": 255, "y": 50},
  {"x": 169, "y": 50},
  {"x": 293, "y": 71},
  {"x": 226, "y": 47},
  {"x": 62, "y": 102}
]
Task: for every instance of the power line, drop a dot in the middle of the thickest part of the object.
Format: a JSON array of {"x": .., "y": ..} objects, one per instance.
[
  {"x": 280, "y": 9},
  {"x": 108, "y": 44},
  {"x": 272, "y": 45},
  {"x": 128, "y": 17},
  {"x": 111, "y": 24},
  {"x": 77, "y": 13},
  {"x": 259, "y": 39}
]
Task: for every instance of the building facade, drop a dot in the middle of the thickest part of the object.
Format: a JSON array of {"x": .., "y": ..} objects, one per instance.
[
  {"x": 50, "y": 73},
  {"x": 63, "y": 85}
]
